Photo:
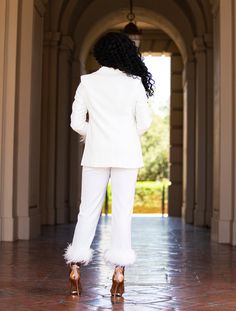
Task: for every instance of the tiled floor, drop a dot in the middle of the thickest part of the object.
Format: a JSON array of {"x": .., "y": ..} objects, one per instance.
[{"x": 178, "y": 268}]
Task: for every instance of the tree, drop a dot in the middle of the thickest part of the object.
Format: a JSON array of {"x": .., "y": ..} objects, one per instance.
[{"x": 155, "y": 148}]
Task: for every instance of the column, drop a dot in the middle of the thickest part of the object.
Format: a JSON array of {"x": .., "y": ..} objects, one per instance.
[
  {"x": 234, "y": 130},
  {"x": 176, "y": 137},
  {"x": 189, "y": 142},
  {"x": 48, "y": 126},
  {"x": 63, "y": 129},
  {"x": 224, "y": 127},
  {"x": 76, "y": 149},
  {"x": 208, "y": 39},
  {"x": 28, "y": 103},
  {"x": 23, "y": 102},
  {"x": 216, "y": 122},
  {"x": 8, "y": 62},
  {"x": 35, "y": 118},
  {"x": 201, "y": 132}
]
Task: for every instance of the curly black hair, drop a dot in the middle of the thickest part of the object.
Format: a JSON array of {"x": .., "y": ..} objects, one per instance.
[{"x": 117, "y": 50}]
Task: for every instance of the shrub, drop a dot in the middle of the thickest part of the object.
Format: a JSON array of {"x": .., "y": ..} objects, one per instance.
[{"x": 148, "y": 197}]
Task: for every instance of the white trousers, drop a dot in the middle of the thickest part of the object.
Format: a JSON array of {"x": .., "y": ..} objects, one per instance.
[{"x": 94, "y": 184}]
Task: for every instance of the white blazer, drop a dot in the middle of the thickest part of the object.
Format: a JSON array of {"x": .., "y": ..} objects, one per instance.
[{"x": 118, "y": 115}]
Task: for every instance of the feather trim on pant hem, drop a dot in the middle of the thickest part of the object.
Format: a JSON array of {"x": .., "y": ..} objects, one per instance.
[
  {"x": 83, "y": 256},
  {"x": 120, "y": 257}
]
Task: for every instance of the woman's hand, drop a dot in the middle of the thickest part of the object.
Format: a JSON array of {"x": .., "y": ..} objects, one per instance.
[{"x": 82, "y": 138}]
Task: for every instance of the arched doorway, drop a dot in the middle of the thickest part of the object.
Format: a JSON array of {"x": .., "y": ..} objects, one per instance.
[
  {"x": 158, "y": 42},
  {"x": 194, "y": 72},
  {"x": 63, "y": 32}
]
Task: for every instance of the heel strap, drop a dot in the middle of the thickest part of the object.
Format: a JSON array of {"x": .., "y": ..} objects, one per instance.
[{"x": 74, "y": 265}]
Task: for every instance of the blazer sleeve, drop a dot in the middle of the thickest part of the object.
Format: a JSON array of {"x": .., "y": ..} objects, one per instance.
[
  {"x": 79, "y": 110},
  {"x": 142, "y": 111}
]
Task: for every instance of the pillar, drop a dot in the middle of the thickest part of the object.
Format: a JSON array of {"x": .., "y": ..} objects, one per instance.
[
  {"x": 76, "y": 150},
  {"x": 216, "y": 122},
  {"x": 19, "y": 161},
  {"x": 176, "y": 137},
  {"x": 189, "y": 142},
  {"x": 201, "y": 133},
  {"x": 234, "y": 130},
  {"x": 208, "y": 39},
  {"x": 8, "y": 65},
  {"x": 224, "y": 123},
  {"x": 23, "y": 102},
  {"x": 48, "y": 126},
  {"x": 64, "y": 106}
]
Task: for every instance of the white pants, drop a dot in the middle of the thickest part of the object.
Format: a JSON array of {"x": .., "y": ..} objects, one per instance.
[{"x": 94, "y": 183}]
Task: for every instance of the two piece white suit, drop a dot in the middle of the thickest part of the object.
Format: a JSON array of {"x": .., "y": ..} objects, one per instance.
[{"x": 118, "y": 116}]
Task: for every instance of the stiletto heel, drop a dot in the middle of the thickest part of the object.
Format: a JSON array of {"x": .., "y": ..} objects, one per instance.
[
  {"x": 117, "y": 288},
  {"x": 74, "y": 278}
]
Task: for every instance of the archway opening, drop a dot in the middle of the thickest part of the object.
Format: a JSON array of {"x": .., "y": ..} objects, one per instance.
[
  {"x": 167, "y": 194},
  {"x": 160, "y": 35},
  {"x": 154, "y": 176}
]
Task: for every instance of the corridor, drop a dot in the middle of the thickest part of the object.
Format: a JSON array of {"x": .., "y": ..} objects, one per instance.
[{"x": 178, "y": 267}]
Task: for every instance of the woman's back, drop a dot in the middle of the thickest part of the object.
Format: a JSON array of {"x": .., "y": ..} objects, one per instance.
[{"x": 118, "y": 114}]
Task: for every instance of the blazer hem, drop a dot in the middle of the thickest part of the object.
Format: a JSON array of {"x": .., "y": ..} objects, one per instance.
[{"x": 111, "y": 165}]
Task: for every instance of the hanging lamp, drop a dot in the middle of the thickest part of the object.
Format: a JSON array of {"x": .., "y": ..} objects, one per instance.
[{"x": 131, "y": 28}]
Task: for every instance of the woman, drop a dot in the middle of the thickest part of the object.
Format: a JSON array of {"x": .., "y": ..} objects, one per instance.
[{"x": 115, "y": 96}]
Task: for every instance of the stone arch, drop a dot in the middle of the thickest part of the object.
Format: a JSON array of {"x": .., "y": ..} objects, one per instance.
[
  {"x": 198, "y": 13},
  {"x": 52, "y": 20},
  {"x": 113, "y": 18},
  {"x": 157, "y": 42},
  {"x": 186, "y": 24},
  {"x": 192, "y": 38},
  {"x": 64, "y": 24},
  {"x": 176, "y": 101}
]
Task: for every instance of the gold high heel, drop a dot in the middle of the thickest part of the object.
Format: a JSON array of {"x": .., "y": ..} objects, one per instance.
[
  {"x": 117, "y": 288},
  {"x": 74, "y": 278}
]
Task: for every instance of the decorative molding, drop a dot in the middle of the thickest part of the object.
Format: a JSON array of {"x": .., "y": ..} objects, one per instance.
[
  {"x": 51, "y": 38},
  {"x": 208, "y": 39},
  {"x": 40, "y": 6},
  {"x": 188, "y": 72},
  {"x": 66, "y": 43},
  {"x": 198, "y": 45},
  {"x": 57, "y": 39},
  {"x": 214, "y": 6},
  {"x": 76, "y": 70},
  {"x": 33, "y": 206}
]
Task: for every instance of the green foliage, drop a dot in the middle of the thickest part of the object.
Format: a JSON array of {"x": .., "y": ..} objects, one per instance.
[
  {"x": 155, "y": 148},
  {"x": 148, "y": 196}
]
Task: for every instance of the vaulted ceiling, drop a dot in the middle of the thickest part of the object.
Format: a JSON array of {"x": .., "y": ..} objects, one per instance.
[{"x": 85, "y": 20}]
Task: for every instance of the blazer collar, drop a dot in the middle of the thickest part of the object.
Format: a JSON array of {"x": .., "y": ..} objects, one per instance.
[{"x": 109, "y": 70}]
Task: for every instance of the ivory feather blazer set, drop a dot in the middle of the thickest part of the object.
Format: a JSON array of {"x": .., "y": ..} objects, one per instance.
[{"x": 118, "y": 115}]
